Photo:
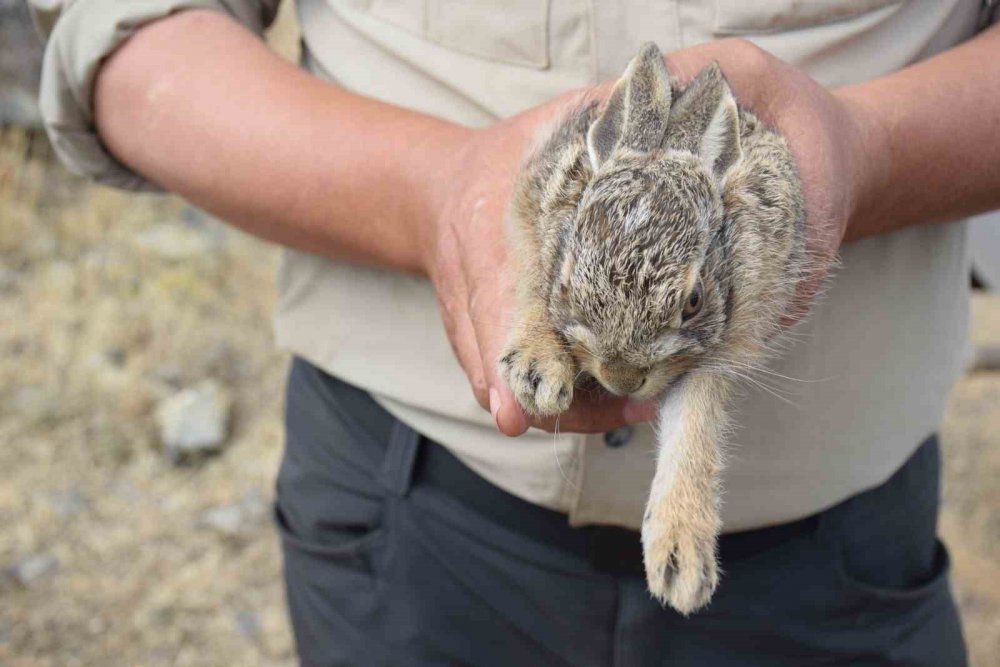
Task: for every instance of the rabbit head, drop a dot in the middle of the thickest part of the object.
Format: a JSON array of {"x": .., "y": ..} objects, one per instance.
[{"x": 641, "y": 289}]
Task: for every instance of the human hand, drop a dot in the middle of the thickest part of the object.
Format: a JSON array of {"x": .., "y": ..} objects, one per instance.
[
  {"x": 838, "y": 145},
  {"x": 466, "y": 260},
  {"x": 466, "y": 253}
]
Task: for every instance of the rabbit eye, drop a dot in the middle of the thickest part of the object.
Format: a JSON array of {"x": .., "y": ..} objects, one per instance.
[{"x": 692, "y": 305}]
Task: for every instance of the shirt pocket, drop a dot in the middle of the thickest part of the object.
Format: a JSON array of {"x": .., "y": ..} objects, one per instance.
[
  {"x": 739, "y": 17},
  {"x": 514, "y": 32}
]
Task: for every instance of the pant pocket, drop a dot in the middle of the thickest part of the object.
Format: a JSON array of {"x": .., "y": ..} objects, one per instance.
[
  {"x": 889, "y": 602},
  {"x": 352, "y": 546},
  {"x": 865, "y": 587},
  {"x": 330, "y": 503}
]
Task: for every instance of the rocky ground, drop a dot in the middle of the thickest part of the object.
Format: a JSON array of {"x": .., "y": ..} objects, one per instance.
[
  {"x": 114, "y": 548},
  {"x": 130, "y": 320},
  {"x": 970, "y": 520}
]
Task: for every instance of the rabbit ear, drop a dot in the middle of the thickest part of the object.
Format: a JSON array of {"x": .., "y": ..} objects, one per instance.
[
  {"x": 635, "y": 115},
  {"x": 705, "y": 121}
]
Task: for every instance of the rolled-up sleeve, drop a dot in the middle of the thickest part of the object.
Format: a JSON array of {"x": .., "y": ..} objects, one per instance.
[{"x": 81, "y": 33}]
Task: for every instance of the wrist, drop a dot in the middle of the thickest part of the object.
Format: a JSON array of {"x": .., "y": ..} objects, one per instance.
[
  {"x": 435, "y": 174},
  {"x": 469, "y": 181},
  {"x": 870, "y": 162}
]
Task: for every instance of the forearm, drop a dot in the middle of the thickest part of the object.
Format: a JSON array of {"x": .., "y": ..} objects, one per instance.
[
  {"x": 934, "y": 138},
  {"x": 200, "y": 106}
]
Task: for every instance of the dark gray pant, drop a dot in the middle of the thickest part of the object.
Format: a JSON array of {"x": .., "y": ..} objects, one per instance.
[{"x": 383, "y": 567}]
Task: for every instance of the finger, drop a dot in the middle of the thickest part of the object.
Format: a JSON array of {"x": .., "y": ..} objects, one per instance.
[
  {"x": 507, "y": 412},
  {"x": 453, "y": 303},
  {"x": 467, "y": 349},
  {"x": 488, "y": 314},
  {"x": 489, "y": 293},
  {"x": 599, "y": 414},
  {"x": 462, "y": 337}
]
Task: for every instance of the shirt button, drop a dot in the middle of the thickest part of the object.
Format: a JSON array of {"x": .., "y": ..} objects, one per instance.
[{"x": 618, "y": 437}]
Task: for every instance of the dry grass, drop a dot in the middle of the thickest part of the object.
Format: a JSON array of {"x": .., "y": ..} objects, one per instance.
[
  {"x": 94, "y": 329},
  {"x": 970, "y": 521}
]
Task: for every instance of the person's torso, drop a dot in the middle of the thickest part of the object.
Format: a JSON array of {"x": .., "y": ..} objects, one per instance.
[{"x": 866, "y": 378}]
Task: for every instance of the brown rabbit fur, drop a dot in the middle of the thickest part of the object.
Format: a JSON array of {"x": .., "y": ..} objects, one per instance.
[{"x": 657, "y": 240}]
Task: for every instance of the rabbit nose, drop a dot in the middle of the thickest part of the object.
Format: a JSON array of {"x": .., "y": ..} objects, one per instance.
[{"x": 622, "y": 379}]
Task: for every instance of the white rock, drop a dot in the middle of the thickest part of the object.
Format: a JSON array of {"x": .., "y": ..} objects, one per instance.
[
  {"x": 34, "y": 403},
  {"x": 194, "y": 421},
  {"x": 32, "y": 568},
  {"x": 169, "y": 374},
  {"x": 247, "y": 623},
  {"x": 175, "y": 242},
  {"x": 233, "y": 520},
  {"x": 227, "y": 520},
  {"x": 68, "y": 502},
  {"x": 60, "y": 280},
  {"x": 9, "y": 279}
]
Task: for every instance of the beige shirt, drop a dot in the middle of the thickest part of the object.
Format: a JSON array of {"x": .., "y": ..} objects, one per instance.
[{"x": 871, "y": 367}]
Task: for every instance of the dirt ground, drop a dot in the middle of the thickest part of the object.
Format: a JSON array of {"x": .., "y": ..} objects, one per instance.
[
  {"x": 112, "y": 555},
  {"x": 110, "y": 302}
]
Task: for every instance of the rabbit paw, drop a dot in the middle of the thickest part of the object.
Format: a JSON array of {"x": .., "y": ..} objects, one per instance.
[
  {"x": 540, "y": 374},
  {"x": 681, "y": 567}
]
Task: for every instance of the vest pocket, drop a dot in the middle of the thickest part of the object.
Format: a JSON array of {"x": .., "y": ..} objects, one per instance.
[{"x": 739, "y": 17}]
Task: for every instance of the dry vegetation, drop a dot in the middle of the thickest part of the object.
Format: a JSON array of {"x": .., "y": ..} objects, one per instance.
[{"x": 100, "y": 318}]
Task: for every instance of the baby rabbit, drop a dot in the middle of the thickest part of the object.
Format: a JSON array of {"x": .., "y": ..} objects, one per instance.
[{"x": 657, "y": 241}]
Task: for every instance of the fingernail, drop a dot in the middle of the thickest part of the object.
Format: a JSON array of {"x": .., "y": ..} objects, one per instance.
[
  {"x": 495, "y": 405},
  {"x": 639, "y": 411}
]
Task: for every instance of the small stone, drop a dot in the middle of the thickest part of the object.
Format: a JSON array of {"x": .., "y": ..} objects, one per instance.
[
  {"x": 9, "y": 279},
  {"x": 247, "y": 623},
  {"x": 169, "y": 374},
  {"x": 116, "y": 356},
  {"x": 60, "y": 280},
  {"x": 194, "y": 421},
  {"x": 41, "y": 246},
  {"x": 69, "y": 502},
  {"x": 32, "y": 568},
  {"x": 254, "y": 505},
  {"x": 227, "y": 520},
  {"x": 107, "y": 369},
  {"x": 96, "y": 626},
  {"x": 175, "y": 242},
  {"x": 34, "y": 403},
  {"x": 236, "y": 519},
  {"x": 125, "y": 490}
]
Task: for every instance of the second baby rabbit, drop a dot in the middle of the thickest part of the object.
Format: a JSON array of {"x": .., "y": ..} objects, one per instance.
[{"x": 658, "y": 239}]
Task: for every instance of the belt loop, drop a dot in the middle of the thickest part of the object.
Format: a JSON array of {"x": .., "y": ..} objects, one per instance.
[{"x": 397, "y": 470}]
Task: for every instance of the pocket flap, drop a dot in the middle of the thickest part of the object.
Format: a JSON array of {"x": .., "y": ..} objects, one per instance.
[
  {"x": 734, "y": 17},
  {"x": 509, "y": 31}
]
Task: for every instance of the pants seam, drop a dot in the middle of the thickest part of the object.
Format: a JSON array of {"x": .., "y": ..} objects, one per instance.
[{"x": 617, "y": 624}]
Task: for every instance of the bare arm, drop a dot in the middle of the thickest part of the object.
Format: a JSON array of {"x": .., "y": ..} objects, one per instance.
[
  {"x": 935, "y": 151},
  {"x": 198, "y": 104}
]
